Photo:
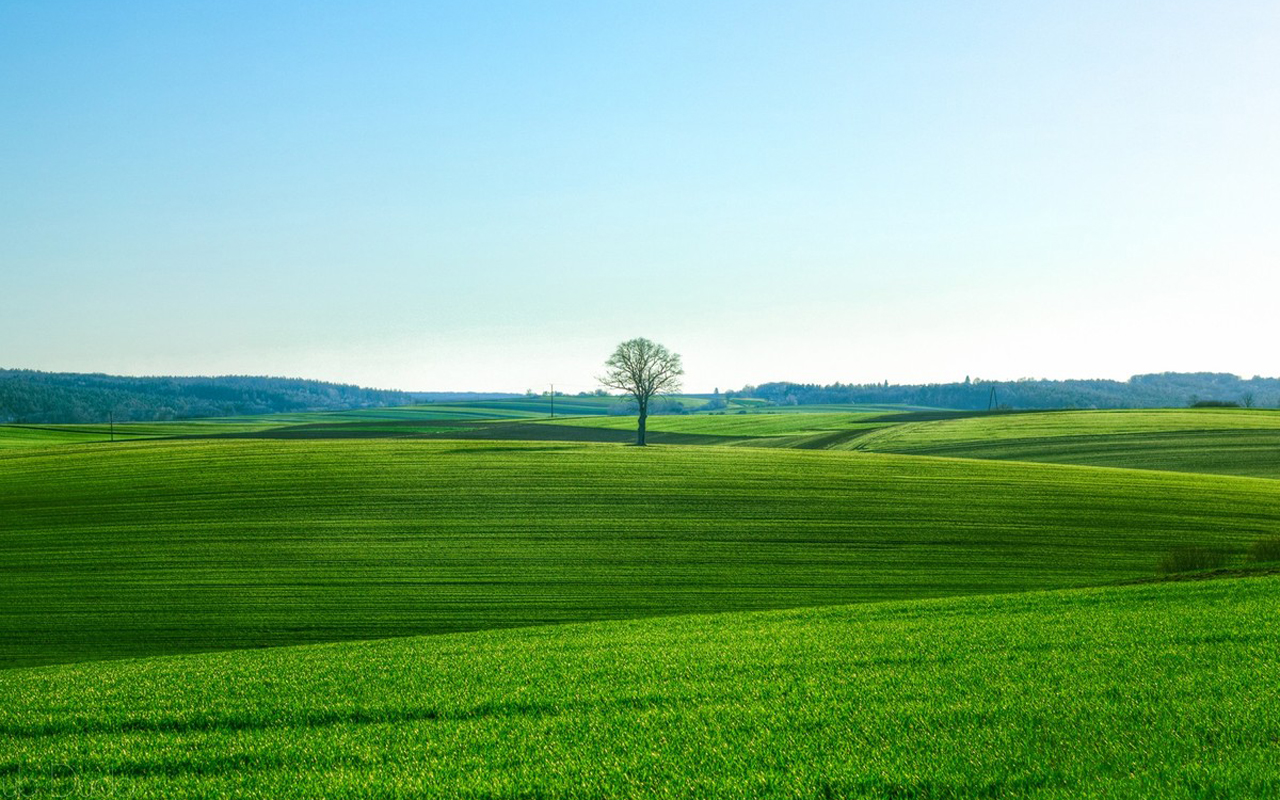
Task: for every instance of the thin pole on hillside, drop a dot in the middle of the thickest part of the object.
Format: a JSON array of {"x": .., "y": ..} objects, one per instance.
[
  {"x": 111, "y": 421},
  {"x": 553, "y": 401}
]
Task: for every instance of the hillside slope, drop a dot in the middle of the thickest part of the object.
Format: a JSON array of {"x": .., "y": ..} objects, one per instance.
[
  {"x": 1168, "y": 691},
  {"x": 152, "y": 547},
  {"x": 1217, "y": 441}
]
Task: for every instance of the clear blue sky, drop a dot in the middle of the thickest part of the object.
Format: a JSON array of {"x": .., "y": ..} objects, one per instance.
[{"x": 491, "y": 195}]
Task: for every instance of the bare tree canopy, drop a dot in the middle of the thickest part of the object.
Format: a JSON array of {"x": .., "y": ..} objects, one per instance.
[{"x": 642, "y": 369}]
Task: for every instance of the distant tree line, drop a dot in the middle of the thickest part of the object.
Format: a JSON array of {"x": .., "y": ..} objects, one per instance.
[
  {"x": 29, "y": 396},
  {"x": 1160, "y": 390}
]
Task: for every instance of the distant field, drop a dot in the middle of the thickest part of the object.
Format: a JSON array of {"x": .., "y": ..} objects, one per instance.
[
  {"x": 154, "y": 547},
  {"x": 1215, "y": 441},
  {"x": 1168, "y": 691},
  {"x": 415, "y": 419},
  {"x": 14, "y": 436},
  {"x": 21, "y": 436},
  {"x": 737, "y": 425},
  {"x": 1222, "y": 441}
]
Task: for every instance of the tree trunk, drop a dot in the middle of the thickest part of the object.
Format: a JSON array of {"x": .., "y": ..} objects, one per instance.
[{"x": 644, "y": 414}]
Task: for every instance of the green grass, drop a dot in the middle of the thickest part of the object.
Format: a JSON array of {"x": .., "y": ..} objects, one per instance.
[
  {"x": 1221, "y": 441},
  {"x": 736, "y": 425},
  {"x": 1169, "y": 691},
  {"x": 154, "y": 547},
  {"x": 21, "y": 436},
  {"x": 399, "y": 420},
  {"x": 345, "y": 422}
]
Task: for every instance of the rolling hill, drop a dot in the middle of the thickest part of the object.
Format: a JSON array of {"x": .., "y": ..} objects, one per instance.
[
  {"x": 1220, "y": 441},
  {"x": 142, "y": 548},
  {"x": 1168, "y": 691}
]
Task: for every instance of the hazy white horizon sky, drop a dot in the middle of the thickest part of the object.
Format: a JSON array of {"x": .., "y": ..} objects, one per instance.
[{"x": 456, "y": 196}]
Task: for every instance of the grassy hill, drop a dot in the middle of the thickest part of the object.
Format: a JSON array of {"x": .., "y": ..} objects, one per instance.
[
  {"x": 310, "y": 424},
  {"x": 171, "y": 546},
  {"x": 1216, "y": 441},
  {"x": 946, "y": 674},
  {"x": 1221, "y": 441},
  {"x": 1169, "y": 690},
  {"x": 738, "y": 425}
]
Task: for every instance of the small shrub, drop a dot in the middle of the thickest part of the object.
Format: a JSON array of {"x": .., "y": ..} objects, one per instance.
[
  {"x": 1265, "y": 549},
  {"x": 1190, "y": 559}
]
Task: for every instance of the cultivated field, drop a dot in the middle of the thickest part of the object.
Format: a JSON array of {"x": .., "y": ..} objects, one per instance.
[
  {"x": 761, "y": 605},
  {"x": 153, "y": 547},
  {"x": 1222, "y": 441},
  {"x": 759, "y": 425},
  {"x": 1168, "y": 691},
  {"x": 372, "y": 420}
]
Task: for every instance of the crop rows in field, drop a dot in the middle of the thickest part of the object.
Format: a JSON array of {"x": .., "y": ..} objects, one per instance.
[
  {"x": 152, "y": 547},
  {"x": 345, "y": 423},
  {"x": 1221, "y": 441},
  {"x": 1168, "y": 691}
]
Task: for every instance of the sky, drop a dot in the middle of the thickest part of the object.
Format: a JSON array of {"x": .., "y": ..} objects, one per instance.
[{"x": 491, "y": 195}]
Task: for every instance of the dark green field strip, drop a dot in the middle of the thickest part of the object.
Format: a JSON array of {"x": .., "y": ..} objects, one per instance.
[
  {"x": 152, "y": 547},
  {"x": 1168, "y": 691},
  {"x": 489, "y": 430},
  {"x": 550, "y": 431},
  {"x": 351, "y": 430}
]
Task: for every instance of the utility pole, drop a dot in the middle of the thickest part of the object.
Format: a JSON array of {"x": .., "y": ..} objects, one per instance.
[
  {"x": 111, "y": 420},
  {"x": 553, "y": 401},
  {"x": 992, "y": 399}
]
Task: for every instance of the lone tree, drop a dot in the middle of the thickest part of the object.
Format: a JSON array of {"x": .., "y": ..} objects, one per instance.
[{"x": 642, "y": 369}]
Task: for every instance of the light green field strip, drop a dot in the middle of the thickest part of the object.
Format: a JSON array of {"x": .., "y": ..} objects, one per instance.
[
  {"x": 23, "y": 436},
  {"x": 1221, "y": 441},
  {"x": 153, "y": 547},
  {"x": 1039, "y": 425},
  {"x": 1169, "y": 691},
  {"x": 15, "y": 436}
]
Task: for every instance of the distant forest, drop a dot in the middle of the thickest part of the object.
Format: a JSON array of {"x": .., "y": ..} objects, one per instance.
[
  {"x": 38, "y": 397},
  {"x": 29, "y": 396},
  {"x": 1162, "y": 390}
]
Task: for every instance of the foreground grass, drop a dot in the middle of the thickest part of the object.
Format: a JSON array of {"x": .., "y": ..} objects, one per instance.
[
  {"x": 1168, "y": 691},
  {"x": 1216, "y": 441},
  {"x": 153, "y": 547}
]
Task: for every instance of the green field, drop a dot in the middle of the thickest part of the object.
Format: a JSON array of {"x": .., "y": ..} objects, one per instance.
[
  {"x": 1222, "y": 441},
  {"x": 1168, "y": 691},
  {"x": 155, "y": 547},
  {"x": 371, "y": 420},
  {"x": 761, "y": 605},
  {"x": 758, "y": 425}
]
